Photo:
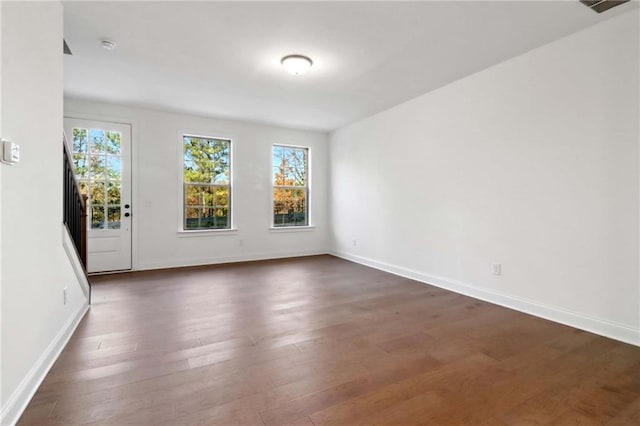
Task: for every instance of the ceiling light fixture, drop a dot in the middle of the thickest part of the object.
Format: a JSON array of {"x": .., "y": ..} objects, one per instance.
[
  {"x": 296, "y": 64},
  {"x": 108, "y": 44}
]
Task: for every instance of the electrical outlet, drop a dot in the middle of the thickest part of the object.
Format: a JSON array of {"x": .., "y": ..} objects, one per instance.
[
  {"x": 497, "y": 269},
  {"x": 64, "y": 296},
  {"x": 240, "y": 243},
  {"x": 355, "y": 243}
]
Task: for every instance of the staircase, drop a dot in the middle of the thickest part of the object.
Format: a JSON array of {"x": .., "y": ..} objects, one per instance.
[{"x": 75, "y": 209}]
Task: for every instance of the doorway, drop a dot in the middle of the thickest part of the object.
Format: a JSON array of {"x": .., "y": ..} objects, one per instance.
[{"x": 102, "y": 164}]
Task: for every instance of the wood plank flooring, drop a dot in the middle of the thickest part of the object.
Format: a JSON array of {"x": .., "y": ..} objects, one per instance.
[{"x": 322, "y": 341}]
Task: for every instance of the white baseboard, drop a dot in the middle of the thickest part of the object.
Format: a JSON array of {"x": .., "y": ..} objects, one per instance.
[
  {"x": 20, "y": 398},
  {"x": 72, "y": 254},
  {"x": 249, "y": 257},
  {"x": 599, "y": 326}
]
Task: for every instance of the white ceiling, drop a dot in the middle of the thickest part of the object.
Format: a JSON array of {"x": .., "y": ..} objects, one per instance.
[{"x": 222, "y": 59}]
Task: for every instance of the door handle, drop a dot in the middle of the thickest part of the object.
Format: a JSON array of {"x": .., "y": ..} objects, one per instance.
[
  {"x": 127, "y": 214},
  {"x": 126, "y": 206}
]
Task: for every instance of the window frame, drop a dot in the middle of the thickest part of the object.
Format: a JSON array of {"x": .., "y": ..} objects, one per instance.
[
  {"x": 309, "y": 225},
  {"x": 182, "y": 229}
]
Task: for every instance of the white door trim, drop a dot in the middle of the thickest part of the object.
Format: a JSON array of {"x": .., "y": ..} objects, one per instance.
[
  {"x": 135, "y": 261},
  {"x": 133, "y": 177}
]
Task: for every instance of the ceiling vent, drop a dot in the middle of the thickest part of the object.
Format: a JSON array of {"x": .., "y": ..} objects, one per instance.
[{"x": 602, "y": 5}]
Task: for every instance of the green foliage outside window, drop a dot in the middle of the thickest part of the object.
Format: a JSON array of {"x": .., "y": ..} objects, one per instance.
[
  {"x": 207, "y": 173},
  {"x": 290, "y": 186},
  {"x": 98, "y": 168}
]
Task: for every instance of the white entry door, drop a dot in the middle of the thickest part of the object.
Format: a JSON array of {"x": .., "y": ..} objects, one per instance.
[{"x": 102, "y": 162}]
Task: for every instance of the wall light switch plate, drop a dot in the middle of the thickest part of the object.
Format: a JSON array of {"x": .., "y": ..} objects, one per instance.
[{"x": 10, "y": 152}]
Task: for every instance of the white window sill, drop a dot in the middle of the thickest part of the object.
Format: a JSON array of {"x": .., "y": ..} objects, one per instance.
[
  {"x": 207, "y": 232},
  {"x": 278, "y": 229}
]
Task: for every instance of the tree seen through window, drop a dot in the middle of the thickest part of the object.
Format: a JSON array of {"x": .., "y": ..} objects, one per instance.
[
  {"x": 290, "y": 186},
  {"x": 207, "y": 172}
]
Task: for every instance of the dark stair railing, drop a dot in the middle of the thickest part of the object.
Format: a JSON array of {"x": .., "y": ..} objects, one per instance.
[{"x": 75, "y": 209}]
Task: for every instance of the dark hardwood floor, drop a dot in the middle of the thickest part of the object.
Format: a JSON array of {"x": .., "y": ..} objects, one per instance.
[{"x": 320, "y": 341}]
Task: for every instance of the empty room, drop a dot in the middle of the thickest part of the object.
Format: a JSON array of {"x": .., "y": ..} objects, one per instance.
[{"x": 320, "y": 213}]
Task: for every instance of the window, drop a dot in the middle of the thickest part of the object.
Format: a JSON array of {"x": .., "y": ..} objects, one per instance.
[
  {"x": 290, "y": 186},
  {"x": 207, "y": 178},
  {"x": 98, "y": 168}
]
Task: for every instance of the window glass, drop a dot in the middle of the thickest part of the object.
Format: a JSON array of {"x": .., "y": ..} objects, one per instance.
[
  {"x": 290, "y": 186},
  {"x": 206, "y": 178}
]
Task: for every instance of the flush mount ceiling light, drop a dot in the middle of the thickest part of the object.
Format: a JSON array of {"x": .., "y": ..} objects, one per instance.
[
  {"x": 108, "y": 44},
  {"x": 296, "y": 64}
]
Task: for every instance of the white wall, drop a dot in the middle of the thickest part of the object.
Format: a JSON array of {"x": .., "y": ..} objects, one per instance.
[
  {"x": 532, "y": 163},
  {"x": 35, "y": 268},
  {"x": 156, "y": 178},
  {"x": 1, "y": 358}
]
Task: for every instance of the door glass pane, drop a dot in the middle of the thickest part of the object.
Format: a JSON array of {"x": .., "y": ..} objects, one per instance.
[
  {"x": 96, "y": 167},
  {"x": 97, "y": 141},
  {"x": 97, "y": 217},
  {"x": 113, "y": 193},
  {"x": 97, "y": 193},
  {"x": 79, "y": 140},
  {"x": 113, "y": 142},
  {"x": 80, "y": 165},
  {"x": 114, "y": 217},
  {"x": 113, "y": 167}
]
